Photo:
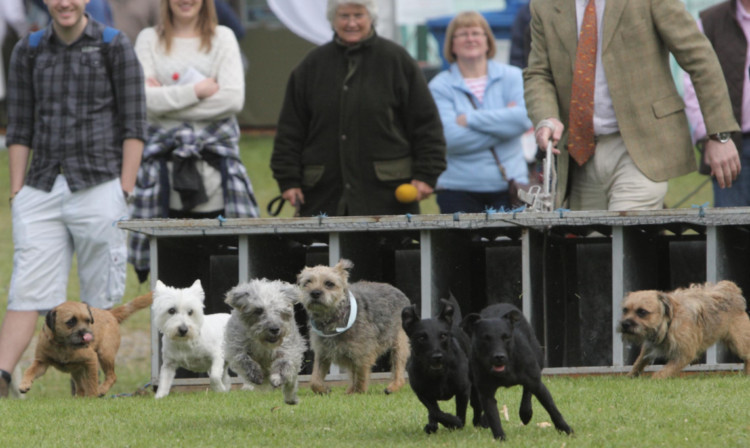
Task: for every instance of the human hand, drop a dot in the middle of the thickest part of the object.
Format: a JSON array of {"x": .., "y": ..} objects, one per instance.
[
  {"x": 206, "y": 88},
  {"x": 550, "y": 129},
  {"x": 294, "y": 196},
  {"x": 724, "y": 161},
  {"x": 461, "y": 120},
  {"x": 152, "y": 82},
  {"x": 423, "y": 190}
]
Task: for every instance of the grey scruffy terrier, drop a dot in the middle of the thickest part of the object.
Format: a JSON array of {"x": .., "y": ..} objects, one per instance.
[
  {"x": 351, "y": 325},
  {"x": 262, "y": 341}
]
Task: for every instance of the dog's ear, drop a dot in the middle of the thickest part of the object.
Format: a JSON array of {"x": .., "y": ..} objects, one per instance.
[
  {"x": 90, "y": 314},
  {"x": 344, "y": 266},
  {"x": 409, "y": 318},
  {"x": 446, "y": 313},
  {"x": 49, "y": 319},
  {"x": 290, "y": 292},
  {"x": 234, "y": 298},
  {"x": 470, "y": 322},
  {"x": 197, "y": 288},
  {"x": 513, "y": 316},
  {"x": 666, "y": 302}
]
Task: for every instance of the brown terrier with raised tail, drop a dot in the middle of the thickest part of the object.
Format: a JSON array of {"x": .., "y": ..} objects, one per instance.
[
  {"x": 680, "y": 325},
  {"x": 78, "y": 339}
]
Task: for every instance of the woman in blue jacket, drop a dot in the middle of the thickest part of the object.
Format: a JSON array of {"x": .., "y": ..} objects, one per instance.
[{"x": 481, "y": 105}]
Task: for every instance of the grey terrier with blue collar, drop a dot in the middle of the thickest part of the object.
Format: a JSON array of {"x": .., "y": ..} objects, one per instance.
[
  {"x": 262, "y": 342},
  {"x": 351, "y": 325}
]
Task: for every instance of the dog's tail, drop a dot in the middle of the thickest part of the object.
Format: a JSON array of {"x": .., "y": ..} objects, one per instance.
[{"x": 124, "y": 311}]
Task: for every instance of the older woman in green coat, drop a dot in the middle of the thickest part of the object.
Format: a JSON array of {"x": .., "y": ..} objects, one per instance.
[{"x": 357, "y": 121}]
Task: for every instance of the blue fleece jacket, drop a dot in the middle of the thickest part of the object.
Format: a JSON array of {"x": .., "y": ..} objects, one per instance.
[{"x": 471, "y": 166}]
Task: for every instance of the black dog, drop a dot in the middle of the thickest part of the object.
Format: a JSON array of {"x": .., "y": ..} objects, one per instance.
[
  {"x": 439, "y": 367},
  {"x": 505, "y": 352}
]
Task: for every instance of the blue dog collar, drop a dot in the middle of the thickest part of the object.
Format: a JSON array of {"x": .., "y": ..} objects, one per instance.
[{"x": 338, "y": 331}]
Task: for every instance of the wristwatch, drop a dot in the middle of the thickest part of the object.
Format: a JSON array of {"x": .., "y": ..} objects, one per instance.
[{"x": 721, "y": 137}]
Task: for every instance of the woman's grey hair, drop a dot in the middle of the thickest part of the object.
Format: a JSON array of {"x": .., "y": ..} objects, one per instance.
[{"x": 370, "y": 5}]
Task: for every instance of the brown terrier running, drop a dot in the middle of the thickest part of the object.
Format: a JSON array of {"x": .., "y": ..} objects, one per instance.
[
  {"x": 680, "y": 325},
  {"x": 352, "y": 325},
  {"x": 78, "y": 339}
]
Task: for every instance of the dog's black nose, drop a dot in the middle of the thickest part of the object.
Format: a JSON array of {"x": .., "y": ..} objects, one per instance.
[
  {"x": 182, "y": 329},
  {"x": 274, "y": 330},
  {"x": 626, "y": 326},
  {"x": 499, "y": 359},
  {"x": 316, "y": 293}
]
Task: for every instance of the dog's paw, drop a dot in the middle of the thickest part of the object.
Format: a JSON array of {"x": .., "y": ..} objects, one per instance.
[
  {"x": 292, "y": 400},
  {"x": 255, "y": 376},
  {"x": 525, "y": 413},
  {"x": 320, "y": 389},
  {"x": 481, "y": 422},
  {"x": 431, "y": 428},
  {"x": 253, "y": 372},
  {"x": 275, "y": 380},
  {"x": 451, "y": 422}
]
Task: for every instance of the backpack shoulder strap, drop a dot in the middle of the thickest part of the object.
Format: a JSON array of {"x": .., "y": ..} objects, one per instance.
[
  {"x": 35, "y": 38},
  {"x": 109, "y": 34}
]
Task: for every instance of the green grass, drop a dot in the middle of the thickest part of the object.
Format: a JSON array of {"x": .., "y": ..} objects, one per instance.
[{"x": 700, "y": 410}]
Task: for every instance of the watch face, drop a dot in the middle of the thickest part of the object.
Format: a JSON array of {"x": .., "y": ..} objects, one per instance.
[{"x": 723, "y": 137}]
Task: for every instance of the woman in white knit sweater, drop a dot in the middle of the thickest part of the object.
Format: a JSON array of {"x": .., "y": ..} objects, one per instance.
[{"x": 194, "y": 87}]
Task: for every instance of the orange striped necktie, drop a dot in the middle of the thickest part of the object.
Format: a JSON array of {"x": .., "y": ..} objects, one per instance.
[{"x": 581, "y": 143}]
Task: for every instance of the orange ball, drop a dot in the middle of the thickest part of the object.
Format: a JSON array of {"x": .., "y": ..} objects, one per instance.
[{"x": 406, "y": 193}]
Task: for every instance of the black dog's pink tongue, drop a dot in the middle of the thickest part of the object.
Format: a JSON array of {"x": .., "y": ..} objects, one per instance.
[{"x": 498, "y": 368}]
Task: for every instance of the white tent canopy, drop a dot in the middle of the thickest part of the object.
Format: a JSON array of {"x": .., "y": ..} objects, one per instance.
[{"x": 307, "y": 18}]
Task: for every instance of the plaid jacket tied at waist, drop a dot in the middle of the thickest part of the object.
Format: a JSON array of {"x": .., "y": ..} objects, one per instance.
[{"x": 218, "y": 140}]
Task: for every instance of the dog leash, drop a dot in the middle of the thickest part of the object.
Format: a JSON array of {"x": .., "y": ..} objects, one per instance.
[{"x": 338, "y": 331}]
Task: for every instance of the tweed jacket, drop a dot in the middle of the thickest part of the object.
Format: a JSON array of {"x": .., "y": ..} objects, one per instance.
[{"x": 637, "y": 38}]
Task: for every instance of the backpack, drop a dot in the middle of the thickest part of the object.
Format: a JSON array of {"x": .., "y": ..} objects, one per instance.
[{"x": 108, "y": 36}]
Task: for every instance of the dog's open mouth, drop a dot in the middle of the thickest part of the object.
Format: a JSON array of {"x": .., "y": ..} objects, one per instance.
[
  {"x": 498, "y": 368},
  {"x": 436, "y": 366},
  {"x": 272, "y": 339}
]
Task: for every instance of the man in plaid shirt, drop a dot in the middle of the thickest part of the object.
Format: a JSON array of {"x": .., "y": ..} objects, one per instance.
[{"x": 77, "y": 100}]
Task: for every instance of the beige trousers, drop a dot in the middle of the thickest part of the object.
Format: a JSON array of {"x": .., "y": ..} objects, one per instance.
[{"x": 611, "y": 181}]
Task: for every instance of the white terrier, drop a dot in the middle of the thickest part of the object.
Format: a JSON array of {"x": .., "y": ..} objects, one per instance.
[{"x": 189, "y": 339}]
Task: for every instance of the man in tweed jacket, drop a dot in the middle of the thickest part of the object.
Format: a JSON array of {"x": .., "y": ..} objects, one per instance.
[{"x": 642, "y": 131}]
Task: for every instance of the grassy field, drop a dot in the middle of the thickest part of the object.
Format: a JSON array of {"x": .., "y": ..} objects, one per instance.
[
  {"x": 705, "y": 411},
  {"x": 604, "y": 411}
]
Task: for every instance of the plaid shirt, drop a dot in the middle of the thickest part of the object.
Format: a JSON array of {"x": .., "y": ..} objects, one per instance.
[
  {"x": 221, "y": 139},
  {"x": 73, "y": 108}
]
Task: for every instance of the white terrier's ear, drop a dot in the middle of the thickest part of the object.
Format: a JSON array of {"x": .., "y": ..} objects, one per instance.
[
  {"x": 291, "y": 292},
  {"x": 160, "y": 286},
  {"x": 197, "y": 288}
]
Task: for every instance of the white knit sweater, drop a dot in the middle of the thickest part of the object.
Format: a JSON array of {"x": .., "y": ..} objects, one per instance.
[{"x": 172, "y": 103}]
